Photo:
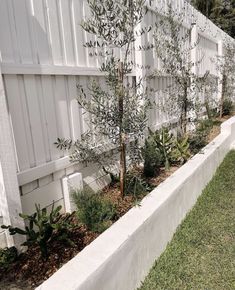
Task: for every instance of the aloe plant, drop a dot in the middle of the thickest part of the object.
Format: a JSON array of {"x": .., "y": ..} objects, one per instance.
[
  {"x": 164, "y": 142},
  {"x": 181, "y": 152}
]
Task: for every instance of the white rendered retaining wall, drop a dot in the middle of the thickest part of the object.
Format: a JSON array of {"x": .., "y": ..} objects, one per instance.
[{"x": 121, "y": 257}]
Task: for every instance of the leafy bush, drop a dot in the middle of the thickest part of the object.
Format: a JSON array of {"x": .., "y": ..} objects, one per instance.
[
  {"x": 196, "y": 142},
  {"x": 205, "y": 125},
  {"x": 152, "y": 158},
  {"x": 7, "y": 256},
  {"x": 198, "y": 139},
  {"x": 93, "y": 211},
  {"x": 228, "y": 107},
  {"x": 214, "y": 113},
  {"x": 181, "y": 152},
  {"x": 41, "y": 227}
]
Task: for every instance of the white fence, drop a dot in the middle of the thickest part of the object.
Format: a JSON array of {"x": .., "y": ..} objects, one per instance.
[{"x": 42, "y": 59}]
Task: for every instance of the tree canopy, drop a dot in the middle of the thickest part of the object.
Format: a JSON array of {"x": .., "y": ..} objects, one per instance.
[{"x": 221, "y": 12}]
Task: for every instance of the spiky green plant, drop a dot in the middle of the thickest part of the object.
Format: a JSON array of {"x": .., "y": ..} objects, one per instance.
[
  {"x": 41, "y": 227},
  {"x": 164, "y": 141},
  {"x": 181, "y": 152}
]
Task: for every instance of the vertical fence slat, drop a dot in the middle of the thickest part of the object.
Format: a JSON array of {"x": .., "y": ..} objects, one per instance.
[
  {"x": 15, "y": 108},
  {"x": 40, "y": 30},
  {"x": 48, "y": 93},
  {"x": 10, "y": 203},
  {"x": 54, "y": 28},
  {"x": 20, "y": 13},
  {"x": 66, "y": 19},
  {"x": 61, "y": 105},
  {"x": 34, "y": 119},
  {"x": 79, "y": 34},
  {"x": 74, "y": 108},
  {"x": 6, "y": 44}
]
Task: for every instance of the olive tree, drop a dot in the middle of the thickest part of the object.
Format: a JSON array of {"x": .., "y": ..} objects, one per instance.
[
  {"x": 118, "y": 110},
  {"x": 174, "y": 48},
  {"x": 226, "y": 67}
]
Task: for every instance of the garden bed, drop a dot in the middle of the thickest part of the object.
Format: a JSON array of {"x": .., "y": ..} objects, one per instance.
[
  {"x": 201, "y": 254},
  {"x": 30, "y": 269}
]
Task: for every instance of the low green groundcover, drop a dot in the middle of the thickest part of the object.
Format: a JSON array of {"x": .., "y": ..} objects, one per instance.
[{"x": 202, "y": 252}]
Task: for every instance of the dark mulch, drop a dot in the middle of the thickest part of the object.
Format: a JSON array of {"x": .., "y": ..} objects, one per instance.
[{"x": 31, "y": 270}]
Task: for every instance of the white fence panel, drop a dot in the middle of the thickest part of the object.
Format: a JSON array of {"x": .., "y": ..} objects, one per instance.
[
  {"x": 207, "y": 52},
  {"x": 43, "y": 108},
  {"x": 44, "y": 32}
]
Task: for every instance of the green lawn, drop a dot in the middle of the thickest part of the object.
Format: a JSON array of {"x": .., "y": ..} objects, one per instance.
[{"x": 202, "y": 253}]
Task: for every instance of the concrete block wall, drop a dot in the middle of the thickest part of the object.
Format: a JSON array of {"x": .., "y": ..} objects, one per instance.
[{"x": 49, "y": 188}]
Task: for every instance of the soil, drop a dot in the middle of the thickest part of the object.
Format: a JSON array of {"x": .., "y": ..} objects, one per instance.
[
  {"x": 31, "y": 269},
  {"x": 215, "y": 131}
]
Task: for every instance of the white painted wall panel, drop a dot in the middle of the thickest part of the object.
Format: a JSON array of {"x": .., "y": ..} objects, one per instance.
[{"x": 44, "y": 196}]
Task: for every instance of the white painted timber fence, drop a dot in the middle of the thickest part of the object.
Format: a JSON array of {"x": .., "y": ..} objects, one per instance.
[{"x": 42, "y": 59}]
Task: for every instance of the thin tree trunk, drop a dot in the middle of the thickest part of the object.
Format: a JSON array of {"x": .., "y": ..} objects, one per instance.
[
  {"x": 122, "y": 143},
  {"x": 224, "y": 81},
  {"x": 184, "y": 112}
]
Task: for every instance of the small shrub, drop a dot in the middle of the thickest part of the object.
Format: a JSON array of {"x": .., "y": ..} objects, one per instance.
[
  {"x": 228, "y": 107},
  {"x": 152, "y": 158},
  {"x": 214, "y": 113},
  {"x": 196, "y": 142},
  {"x": 198, "y": 139},
  {"x": 181, "y": 152},
  {"x": 135, "y": 185},
  {"x": 7, "y": 256},
  {"x": 41, "y": 227},
  {"x": 93, "y": 211}
]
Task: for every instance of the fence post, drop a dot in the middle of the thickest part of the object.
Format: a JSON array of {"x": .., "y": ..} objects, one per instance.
[{"x": 10, "y": 201}]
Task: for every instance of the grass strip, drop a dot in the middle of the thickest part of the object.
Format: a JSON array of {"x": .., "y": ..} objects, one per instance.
[{"x": 201, "y": 254}]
